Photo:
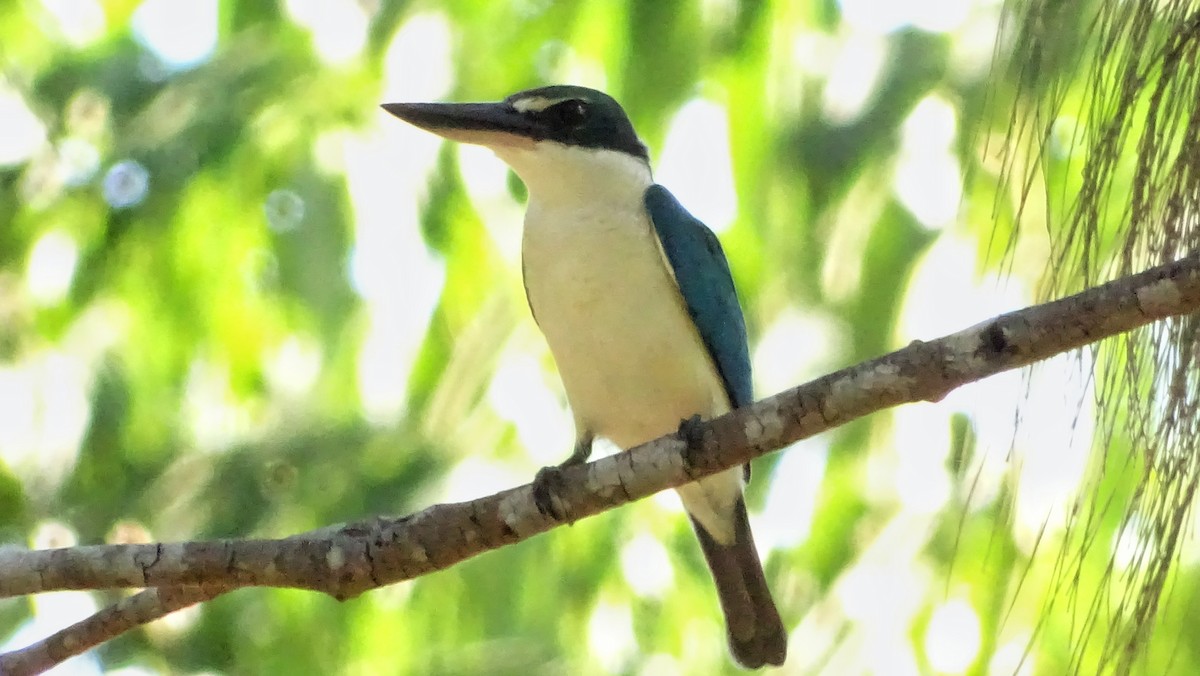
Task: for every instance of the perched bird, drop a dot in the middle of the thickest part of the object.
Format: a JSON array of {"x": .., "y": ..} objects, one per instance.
[{"x": 637, "y": 304}]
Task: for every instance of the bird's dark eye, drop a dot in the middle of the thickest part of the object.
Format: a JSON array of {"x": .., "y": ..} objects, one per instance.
[{"x": 567, "y": 114}]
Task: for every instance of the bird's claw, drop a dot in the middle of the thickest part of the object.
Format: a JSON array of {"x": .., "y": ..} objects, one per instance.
[
  {"x": 547, "y": 491},
  {"x": 548, "y": 484},
  {"x": 691, "y": 433}
]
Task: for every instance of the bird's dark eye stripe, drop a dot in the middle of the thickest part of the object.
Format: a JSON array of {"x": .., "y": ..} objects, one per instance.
[{"x": 570, "y": 113}]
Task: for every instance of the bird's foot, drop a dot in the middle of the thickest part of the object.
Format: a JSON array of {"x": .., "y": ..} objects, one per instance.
[
  {"x": 548, "y": 483},
  {"x": 581, "y": 452},
  {"x": 691, "y": 433},
  {"x": 547, "y": 491}
]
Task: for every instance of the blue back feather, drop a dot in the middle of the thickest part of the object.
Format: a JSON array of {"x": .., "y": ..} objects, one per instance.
[{"x": 707, "y": 287}]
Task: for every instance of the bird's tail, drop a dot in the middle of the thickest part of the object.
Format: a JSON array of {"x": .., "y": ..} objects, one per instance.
[{"x": 756, "y": 634}]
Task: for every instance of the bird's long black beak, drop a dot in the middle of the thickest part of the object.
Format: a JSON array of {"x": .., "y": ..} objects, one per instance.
[{"x": 487, "y": 124}]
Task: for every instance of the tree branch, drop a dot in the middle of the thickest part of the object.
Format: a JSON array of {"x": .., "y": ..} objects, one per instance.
[
  {"x": 349, "y": 560},
  {"x": 122, "y": 616}
]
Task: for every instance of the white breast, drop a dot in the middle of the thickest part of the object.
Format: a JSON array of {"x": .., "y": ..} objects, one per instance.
[{"x": 631, "y": 361}]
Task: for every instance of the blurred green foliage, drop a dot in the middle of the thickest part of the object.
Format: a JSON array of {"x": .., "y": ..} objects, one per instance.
[{"x": 207, "y": 257}]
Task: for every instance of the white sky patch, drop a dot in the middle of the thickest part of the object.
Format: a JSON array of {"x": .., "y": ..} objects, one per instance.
[
  {"x": 45, "y": 414},
  {"x": 917, "y": 459},
  {"x": 582, "y": 71},
  {"x": 393, "y": 337},
  {"x": 932, "y": 123},
  {"x": 24, "y": 134},
  {"x": 391, "y": 268},
  {"x": 884, "y": 587},
  {"x": 1054, "y": 399},
  {"x": 796, "y": 345},
  {"x": 51, "y": 267},
  {"x": 853, "y": 77},
  {"x": 548, "y": 57},
  {"x": 387, "y": 171},
  {"x": 647, "y": 566},
  {"x": 214, "y": 417},
  {"x": 610, "y": 636},
  {"x": 1055, "y": 435},
  {"x": 473, "y": 477},
  {"x": 875, "y": 17},
  {"x": 719, "y": 13},
  {"x": 180, "y": 34},
  {"x": 695, "y": 164},
  {"x": 485, "y": 177},
  {"x": 814, "y": 53},
  {"x": 947, "y": 293},
  {"x": 939, "y": 16},
  {"x": 975, "y": 42},
  {"x": 1016, "y": 655},
  {"x": 78, "y": 161},
  {"x": 80, "y": 22},
  {"x": 787, "y": 518},
  {"x": 658, "y": 664},
  {"x": 881, "y": 594},
  {"x": 339, "y": 29},
  {"x": 1067, "y": 137},
  {"x": 484, "y": 174},
  {"x": 928, "y": 181},
  {"x": 668, "y": 501},
  {"x": 935, "y": 16},
  {"x": 1134, "y": 539},
  {"x": 519, "y": 394},
  {"x": 418, "y": 65},
  {"x": 97, "y": 329},
  {"x": 558, "y": 61},
  {"x": 952, "y": 637},
  {"x": 293, "y": 367}
]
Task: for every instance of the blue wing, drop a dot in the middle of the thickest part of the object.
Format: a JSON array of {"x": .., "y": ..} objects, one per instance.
[{"x": 707, "y": 287}]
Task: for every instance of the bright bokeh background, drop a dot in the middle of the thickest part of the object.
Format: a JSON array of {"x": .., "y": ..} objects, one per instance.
[{"x": 237, "y": 299}]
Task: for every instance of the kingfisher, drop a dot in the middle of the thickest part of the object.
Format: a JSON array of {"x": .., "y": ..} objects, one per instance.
[{"x": 637, "y": 304}]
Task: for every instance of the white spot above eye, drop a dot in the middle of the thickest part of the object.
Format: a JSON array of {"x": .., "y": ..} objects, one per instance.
[{"x": 536, "y": 104}]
